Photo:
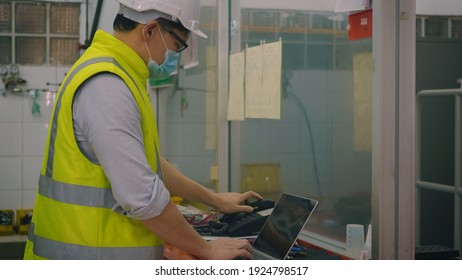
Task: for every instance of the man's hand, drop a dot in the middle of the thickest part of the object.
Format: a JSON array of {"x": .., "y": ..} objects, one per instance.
[
  {"x": 232, "y": 202},
  {"x": 229, "y": 248}
]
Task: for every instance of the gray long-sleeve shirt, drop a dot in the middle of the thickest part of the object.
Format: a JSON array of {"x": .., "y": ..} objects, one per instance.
[{"x": 107, "y": 127}]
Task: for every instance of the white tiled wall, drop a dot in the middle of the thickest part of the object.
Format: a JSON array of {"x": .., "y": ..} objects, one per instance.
[{"x": 23, "y": 135}]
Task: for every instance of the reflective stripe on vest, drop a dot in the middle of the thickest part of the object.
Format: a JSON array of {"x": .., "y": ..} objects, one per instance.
[
  {"x": 51, "y": 249},
  {"x": 74, "y": 194}
]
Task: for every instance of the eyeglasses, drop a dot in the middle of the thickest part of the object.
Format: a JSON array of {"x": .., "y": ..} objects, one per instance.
[{"x": 178, "y": 38}]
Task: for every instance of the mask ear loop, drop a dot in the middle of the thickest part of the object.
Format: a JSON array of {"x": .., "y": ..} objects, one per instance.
[
  {"x": 146, "y": 44},
  {"x": 163, "y": 40},
  {"x": 147, "y": 48}
]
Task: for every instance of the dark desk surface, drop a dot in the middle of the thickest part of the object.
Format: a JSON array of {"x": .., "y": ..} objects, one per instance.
[
  {"x": 12, "y": 247},
  {"x": 306, "y": 253}
]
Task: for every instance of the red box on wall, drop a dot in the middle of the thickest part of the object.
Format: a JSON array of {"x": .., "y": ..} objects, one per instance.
[{"x": 360, "y": 25}]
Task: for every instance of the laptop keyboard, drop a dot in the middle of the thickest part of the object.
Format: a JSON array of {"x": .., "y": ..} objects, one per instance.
[{"x": 258, "y": 255}]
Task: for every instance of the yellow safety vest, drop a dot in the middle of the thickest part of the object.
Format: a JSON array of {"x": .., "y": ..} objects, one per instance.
[{"x": 72, "y": 216}]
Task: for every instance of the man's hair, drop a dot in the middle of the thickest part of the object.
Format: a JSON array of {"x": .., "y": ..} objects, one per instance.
[{"x": 122, "y": 23}]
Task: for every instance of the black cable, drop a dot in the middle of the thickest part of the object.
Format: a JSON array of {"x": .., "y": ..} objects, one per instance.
[
  {"x": 94, "y": 25},
  {"x": 286, "y": 87},
  {"x": 86, "y": 22},
  {"x": 310, "y": 133},
  {"x": 218, "y": 228}
]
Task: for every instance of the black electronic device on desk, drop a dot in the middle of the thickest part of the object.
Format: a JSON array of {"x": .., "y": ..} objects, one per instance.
[{"x": 239, "y": 224}]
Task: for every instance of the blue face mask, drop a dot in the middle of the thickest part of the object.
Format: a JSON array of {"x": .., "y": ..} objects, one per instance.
[{"x": 163, "y": 71}]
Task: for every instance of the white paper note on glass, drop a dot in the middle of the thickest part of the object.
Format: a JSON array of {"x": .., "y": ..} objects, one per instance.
[
  {"x": 253, "y": 81},
  {"x": 236, "y": 87},
  {"x": 272, "y": 69},
  {"x": 263, "y": 81}
]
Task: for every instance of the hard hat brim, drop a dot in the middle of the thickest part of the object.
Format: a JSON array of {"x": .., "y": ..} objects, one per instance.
[{"x": 145, "y": 17}]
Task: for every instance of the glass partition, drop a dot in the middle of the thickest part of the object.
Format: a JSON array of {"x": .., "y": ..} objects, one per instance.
[
  {"x": 186, "y": 108},
  {"x": 321, "y": 146}
]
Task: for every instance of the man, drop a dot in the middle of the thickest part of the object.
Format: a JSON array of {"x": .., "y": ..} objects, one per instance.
[{"x": 104, "y": 191}]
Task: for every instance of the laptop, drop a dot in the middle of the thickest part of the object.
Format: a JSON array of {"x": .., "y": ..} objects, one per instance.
[{"x": 281, "y": 229}]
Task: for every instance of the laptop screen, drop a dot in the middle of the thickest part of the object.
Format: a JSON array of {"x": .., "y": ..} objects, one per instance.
[{"x": 283, "y": 226}]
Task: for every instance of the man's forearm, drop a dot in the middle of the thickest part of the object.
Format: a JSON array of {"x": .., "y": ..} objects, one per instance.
[
  {"x": 180, "y": 185},
  {"x": 171, "y": 227}
]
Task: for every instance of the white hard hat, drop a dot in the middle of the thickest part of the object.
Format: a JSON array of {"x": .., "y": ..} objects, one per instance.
[{"x": 143, "y": 11}]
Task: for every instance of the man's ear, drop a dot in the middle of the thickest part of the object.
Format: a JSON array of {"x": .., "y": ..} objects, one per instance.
[{"x": 150, "y": 27}]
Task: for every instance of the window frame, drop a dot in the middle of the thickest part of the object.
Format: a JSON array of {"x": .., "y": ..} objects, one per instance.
[{"x": 49, "y": 37}]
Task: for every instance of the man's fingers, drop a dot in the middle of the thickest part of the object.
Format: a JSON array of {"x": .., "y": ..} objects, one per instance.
[{"x": 251, "y": 194}]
